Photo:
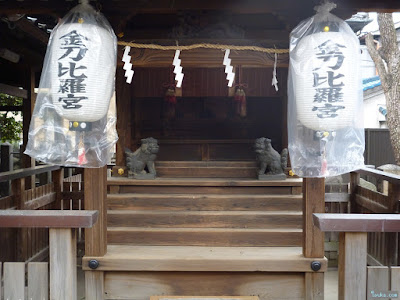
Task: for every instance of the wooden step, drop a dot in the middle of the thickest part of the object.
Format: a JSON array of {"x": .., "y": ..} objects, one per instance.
[
  {"x": 205, "y": 219},
  {"x": 210, "y": 259},
  {"x": 207, "y": 172},
  {"x": 204, "y": 236},
  {"x": 204, "y": 186},
  {"x": 207, "y": 169},
  {"x": 172, "y": 202}
]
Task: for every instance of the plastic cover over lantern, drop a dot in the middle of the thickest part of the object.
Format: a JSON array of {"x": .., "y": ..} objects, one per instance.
[
  {"x": 325, "y": 104},
  {"x": 73, "y": 122}
]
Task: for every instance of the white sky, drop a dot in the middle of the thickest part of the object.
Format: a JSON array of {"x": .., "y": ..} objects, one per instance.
[{"x": 373, "y": 26}]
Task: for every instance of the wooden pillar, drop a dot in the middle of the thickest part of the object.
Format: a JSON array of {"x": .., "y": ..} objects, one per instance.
[
  {"x": 27, "y": 110},
  {"x": 124, "y": 113},
  {"x": 62, "y": 247},
  {"x": 352, "y": 265},
  {"x": 95, "y": 189},
  {"x": 18, "y": 192},
  {"x": 313, "y": 238}
]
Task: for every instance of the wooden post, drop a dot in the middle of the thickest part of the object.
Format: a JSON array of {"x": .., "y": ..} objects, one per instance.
[
  {"x": 313, "y": 238},
  {"x": 5, "y": 166},
  {"x": 392, "y": 249},
  {"x": 352, "y": 265},
  {"x": 62, "y": 246},
  {"x": 354, "y": 182},
  {"x": 27, "y": 110},
  {"x": 18, "y": 192},
  {"x": 95, "y": 181},
  {"x": 124, "y": 113},
  {"x": 57, "y": 178}
]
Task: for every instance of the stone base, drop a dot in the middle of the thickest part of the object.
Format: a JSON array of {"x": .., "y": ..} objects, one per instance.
[
  {"x": 272, "y": 177},
  {"x": 143, "y": 176}
]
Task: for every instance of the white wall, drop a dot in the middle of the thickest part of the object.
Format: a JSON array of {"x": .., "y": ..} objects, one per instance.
[
  {"x": 367, "y": 65},
  {"x": 371, "y": 110}
]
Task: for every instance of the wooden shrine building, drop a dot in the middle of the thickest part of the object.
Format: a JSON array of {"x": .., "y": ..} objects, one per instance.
[{"x": 205, "y": 226}]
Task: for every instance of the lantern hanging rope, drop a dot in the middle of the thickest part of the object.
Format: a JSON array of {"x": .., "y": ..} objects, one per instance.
[{"x": 205, "y": 46}]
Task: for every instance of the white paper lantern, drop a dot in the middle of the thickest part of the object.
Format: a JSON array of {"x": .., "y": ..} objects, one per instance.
[
  {"x": 83, "y": 60},
  {"x": 326, "y": 85}
]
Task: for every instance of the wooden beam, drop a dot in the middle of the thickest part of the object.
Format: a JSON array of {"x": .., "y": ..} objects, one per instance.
[
  {"x": 357, "y": 222},
  {"x": 13, "y": 91},
  {"x": 31, "y": 29},
  {"x": 48, "y": 218}
]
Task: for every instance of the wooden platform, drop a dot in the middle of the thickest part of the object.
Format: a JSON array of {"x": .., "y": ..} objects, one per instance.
[{"x": 212, "y": 259}]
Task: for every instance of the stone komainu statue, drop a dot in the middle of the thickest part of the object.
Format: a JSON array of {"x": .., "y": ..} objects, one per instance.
[
  {"x": 270, "y": 162},
  {"x": 143, "y": 158}
]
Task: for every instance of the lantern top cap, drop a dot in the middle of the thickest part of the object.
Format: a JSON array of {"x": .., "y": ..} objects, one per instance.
[{"x": 325, "y": 7}]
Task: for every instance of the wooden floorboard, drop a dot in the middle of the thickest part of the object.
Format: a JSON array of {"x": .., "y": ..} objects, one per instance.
[{"x": 191, "y": 258}]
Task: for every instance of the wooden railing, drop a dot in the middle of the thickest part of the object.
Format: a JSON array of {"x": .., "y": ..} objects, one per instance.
[
  {"x": 31, "y": 244},
  {"x": 354, "y": 229},
  {"x": 383, "y": 247},
  {"x": 62, "y": 243},
  {"x": 28, "y": 244}
]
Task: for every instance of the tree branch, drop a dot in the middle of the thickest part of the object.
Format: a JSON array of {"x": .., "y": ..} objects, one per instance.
[{"x": 380, "y": 65}]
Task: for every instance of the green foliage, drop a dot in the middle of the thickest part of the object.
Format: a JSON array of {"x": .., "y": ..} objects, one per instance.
[{"x": 10, "y": 128}]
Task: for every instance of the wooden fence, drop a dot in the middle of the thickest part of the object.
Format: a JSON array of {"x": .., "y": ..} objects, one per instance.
[
  {"x": 31, "y": 244},
  {"x": 58, "y": 278},
  {"x": 383, "y": 247},
  {"x": 14, "y": 280}
]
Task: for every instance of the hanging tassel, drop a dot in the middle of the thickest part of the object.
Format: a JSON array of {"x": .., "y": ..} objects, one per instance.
[
  {"x": 170, "y": 103},
  {"x": 240, "y": 103},
  {"x": 81, "y": 152}
]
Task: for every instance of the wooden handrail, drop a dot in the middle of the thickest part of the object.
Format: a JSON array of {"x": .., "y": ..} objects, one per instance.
[
  {"x": 48, "y": 218},
  {"x": 21, "y": 173},
  {"x": 357, "y": 222},
  {"x": 380, "y": 175},
  {"x": 353, "y": 237}
]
